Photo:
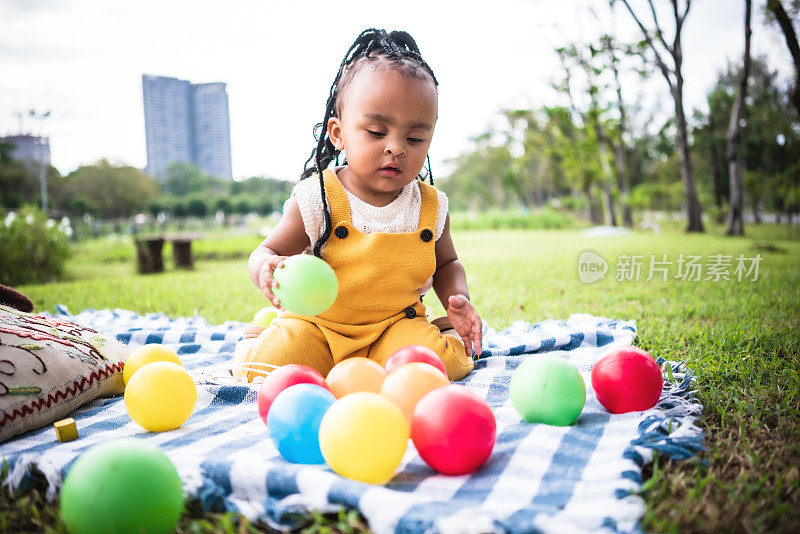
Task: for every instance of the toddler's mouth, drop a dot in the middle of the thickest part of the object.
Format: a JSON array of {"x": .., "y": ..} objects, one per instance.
[{"x": 389, "y": 171}]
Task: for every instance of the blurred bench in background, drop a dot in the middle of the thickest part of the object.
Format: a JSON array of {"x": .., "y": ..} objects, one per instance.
[{"x": 149, "y": 253}]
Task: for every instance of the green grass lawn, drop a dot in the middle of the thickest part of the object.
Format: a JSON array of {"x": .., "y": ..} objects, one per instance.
[{"x": 740, "y": 337}]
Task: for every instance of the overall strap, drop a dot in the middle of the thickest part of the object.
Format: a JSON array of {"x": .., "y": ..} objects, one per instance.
[
  {"x": 430, "y": 206},
  {"x": 337, "y": 198}
]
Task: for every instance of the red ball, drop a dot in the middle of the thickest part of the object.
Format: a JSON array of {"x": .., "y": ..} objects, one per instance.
[
  {"x": 453, "y": 430},
  {"x": 414, "y": 353},
  {"x": 627, "y": 379},
  {"x": 280, "y": 379}
]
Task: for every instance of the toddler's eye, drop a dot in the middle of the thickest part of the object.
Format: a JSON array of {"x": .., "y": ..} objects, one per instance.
[
  {"x": 414, "y": 140},
  {"x": 375, "y": 134}
]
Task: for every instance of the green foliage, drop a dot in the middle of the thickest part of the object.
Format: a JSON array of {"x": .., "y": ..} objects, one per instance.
[
  {"x": 658, "y": 196},
  {"x": 32, "y": 248},
  {"x": 197, "y": 207},
  {"x": 20, "y": 184},
  {"x": 262, "y": 195},
  {"x": 540, "y": 219},
  {"x": 104, "y": 191},
  {"x": 482, "y": 178},
  {"x": 770, "y": 139},
  {"x": 184, "y": 178}
]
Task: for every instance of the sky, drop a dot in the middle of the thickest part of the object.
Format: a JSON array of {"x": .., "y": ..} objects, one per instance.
[{"x": 82, "y": 60}]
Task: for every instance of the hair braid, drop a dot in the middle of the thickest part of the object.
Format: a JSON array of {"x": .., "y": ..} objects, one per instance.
[{"x": 399, "y": 47}]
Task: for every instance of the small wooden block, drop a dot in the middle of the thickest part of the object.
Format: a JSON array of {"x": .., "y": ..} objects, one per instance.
[{"x": 66, "y": 430}]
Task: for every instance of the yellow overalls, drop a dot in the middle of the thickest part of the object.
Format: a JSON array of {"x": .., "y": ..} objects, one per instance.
[{"x": 378, "y": 309}]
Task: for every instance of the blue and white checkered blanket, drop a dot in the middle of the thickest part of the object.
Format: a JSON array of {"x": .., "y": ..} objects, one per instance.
[{"x": 585, "y": 477}]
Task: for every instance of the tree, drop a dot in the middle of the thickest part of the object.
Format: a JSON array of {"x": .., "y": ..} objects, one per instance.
[
  {"x": 107, "y": 191},
  {"x": 785, "y": 22},
  {"x": 197, "y": 207},
  {"x": 262, "y": 191},
  {"x": 19, "y": 184},
  {"x": 573, "y": 150},
  {"x": 481, "y": 177},
  {"x": 185, "y": 178},
  {"x": 534, "y": 181},
  {"x": 5, "y": 151},
  {"x": 660, "y": 49},
  {"x": 734, "y": 138},
  {"x": 616, "y": 140},
  {"x": 770, "y": 140},
  {"x": 591, "y": 117}
]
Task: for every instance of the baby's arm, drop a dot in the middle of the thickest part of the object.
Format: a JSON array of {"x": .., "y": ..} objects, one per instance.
[
  {"x": 286, "y": 239},
  {"x": 450, "y": 284}
]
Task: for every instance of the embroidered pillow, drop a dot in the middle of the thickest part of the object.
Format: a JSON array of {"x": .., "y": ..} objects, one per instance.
[{"x": 50, "y": 367}]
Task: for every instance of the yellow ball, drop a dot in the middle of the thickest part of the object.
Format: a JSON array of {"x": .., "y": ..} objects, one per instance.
[
  {"x": 363, "y": 436},
  {"x": 160, "y": 396},
  {"x": 145, "y": 354}
]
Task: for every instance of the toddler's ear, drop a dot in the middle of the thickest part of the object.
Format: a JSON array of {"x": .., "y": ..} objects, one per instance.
[{"x": 335, "y": 132}]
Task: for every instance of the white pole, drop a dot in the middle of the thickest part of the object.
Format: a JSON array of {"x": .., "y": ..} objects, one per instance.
[
  {"x": 42, "y": 174},
  {"x": 42, "y": 169}
]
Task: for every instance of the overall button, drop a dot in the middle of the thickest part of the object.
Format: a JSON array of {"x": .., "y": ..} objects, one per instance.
[
  {"x": 411, "y": 312},
  {"x": 426, "y": 235},
  {"x": 341, "y": 232}
]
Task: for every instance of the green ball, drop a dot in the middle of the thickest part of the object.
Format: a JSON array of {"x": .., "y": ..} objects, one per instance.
[
  {"x": 122, "y": 486},
  {"x": 549, "y": 390},
  {"x": 264, "y": 316},
  {"x": 306, "y": 285}
]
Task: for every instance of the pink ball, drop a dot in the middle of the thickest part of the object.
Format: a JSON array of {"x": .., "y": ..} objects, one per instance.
[
  {"x": 454, "y": 430},
  {"x": 280, "y": 379},
  {"x": 627, "y": 379},
  {"x": 414, "y": 353}
]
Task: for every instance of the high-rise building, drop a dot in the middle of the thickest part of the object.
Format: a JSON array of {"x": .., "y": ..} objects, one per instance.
[
  {"x": 212, "y": 132},
  {"x": 188, "y": 123},
  {"x": 30, "y": 150}
]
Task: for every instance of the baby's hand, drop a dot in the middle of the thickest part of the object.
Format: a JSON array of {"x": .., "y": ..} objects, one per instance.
[
  {"x": 266, "y": 282},
  {"x": 466, "y": 321}
]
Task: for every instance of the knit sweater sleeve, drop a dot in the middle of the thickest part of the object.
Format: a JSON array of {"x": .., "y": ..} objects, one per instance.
[
  {"x": 441, "y": 215},
  {"x": 309, "y": 199}
]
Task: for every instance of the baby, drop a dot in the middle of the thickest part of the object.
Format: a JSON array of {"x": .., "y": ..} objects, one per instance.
[{"x": 385, "y": 232}]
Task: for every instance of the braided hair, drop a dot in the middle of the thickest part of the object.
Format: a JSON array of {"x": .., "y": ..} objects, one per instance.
[{"x": 397, "y": 48}]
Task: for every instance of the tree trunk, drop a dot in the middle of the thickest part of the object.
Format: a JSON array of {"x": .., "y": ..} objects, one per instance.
[
  {"x": 756, "y": 213},
  {"x": 618, "y": 148},
  {"x": 734, "y": 138},
  {"x": 716, "y": 171},
  {"x": 694, "y": 210},
  {"x": 794, "y": 48},
  {"x": 624, "y": 183},
  {"x": 607, "y": 177},
  {"x": 595, "y": 215},
  {"x": 609, "y": 202}
]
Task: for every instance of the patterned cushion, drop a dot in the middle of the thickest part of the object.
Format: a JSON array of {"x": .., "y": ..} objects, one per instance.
[{"x": 50, "y": 367}]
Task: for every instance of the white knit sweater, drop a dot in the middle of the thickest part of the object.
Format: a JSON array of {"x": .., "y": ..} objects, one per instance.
[{"x": 401, "y": 215}]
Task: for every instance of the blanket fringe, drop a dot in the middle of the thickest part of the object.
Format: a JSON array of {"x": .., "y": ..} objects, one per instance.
[
  {"x": 669, "y": 428},
  {"x": 21, "y": 471}
]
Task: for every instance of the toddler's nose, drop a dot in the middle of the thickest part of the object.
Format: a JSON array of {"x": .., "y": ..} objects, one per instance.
[{"x": 394, "y": 150}]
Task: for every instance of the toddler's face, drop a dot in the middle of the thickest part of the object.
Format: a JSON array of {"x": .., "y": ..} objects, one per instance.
[{"x": 385, "y": 130}]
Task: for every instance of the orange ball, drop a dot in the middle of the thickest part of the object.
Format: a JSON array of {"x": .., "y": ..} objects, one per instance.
[
  {"x": 355, "y": 374},
  {"x": 406, "y": 385}
]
